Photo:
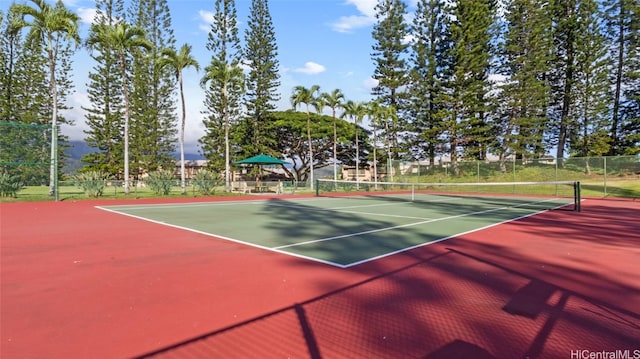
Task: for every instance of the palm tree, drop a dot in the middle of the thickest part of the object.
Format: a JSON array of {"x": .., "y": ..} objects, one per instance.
[
  {"x": 303, "y": 95},
  {"x": 121, "y": 38},
  {"x": 49, "y": 26},
  {"x": 335, "y": 101},
  {"x": 357, "y": 111},
  {"x": 179, "y": 61},
  {"x": 230, "y": 79}
]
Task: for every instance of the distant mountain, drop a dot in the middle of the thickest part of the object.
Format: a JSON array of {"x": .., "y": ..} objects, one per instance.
[
  {"x": 77, "y": 149},
  {"x": 188, "y": 156},
  {"x": 74, "y": 154}
]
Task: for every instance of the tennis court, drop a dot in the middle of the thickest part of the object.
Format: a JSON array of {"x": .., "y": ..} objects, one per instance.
[
  {"x": 359, "y": 271},
  {"x": 347, "y": 230}
]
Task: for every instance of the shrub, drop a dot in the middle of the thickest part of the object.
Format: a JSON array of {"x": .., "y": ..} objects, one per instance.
[
  {"x": 206, "y": 181},
  {"x": 160, "y": 182},
  {"x": 92, "y": 183},
  {"x": 9, "y": 185}
]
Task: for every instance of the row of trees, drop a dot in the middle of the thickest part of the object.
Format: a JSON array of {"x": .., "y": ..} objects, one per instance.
[
  {"x": 464, "y": 79},
  {"x": 520, "y": 78},
  {"x": 36, "y": 67}
]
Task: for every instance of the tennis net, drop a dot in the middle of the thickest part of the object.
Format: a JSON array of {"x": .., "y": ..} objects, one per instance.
[{"x": 568, "y": 191}]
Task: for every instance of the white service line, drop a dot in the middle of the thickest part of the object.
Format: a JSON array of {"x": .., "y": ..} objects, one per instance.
[{"x": 404, "y": 225}]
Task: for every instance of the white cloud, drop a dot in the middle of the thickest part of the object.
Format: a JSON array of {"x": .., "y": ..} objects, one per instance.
[
  {"x": 348, "y": 23},
  {"x": 370, "y": 83},
  {"x": 76, "y": 114},
  {"x": 207, "y": 18},
  {"x": 310, "y": 68},
  {"x": 366, "y": 8},
  {"x": 87, "y": 15}
]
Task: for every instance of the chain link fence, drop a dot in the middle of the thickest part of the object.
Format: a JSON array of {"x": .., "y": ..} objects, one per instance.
[{"x": 617, "y": 176}]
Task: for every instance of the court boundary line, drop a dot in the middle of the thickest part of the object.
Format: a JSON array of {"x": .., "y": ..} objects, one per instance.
[
  {"x": 198, "y": 204},
  {"x": 255, "y": 201},
  {"x": 279, "y": 250},
  {"x": 406, "y": 225},
  {"x": 449, "y": 237},
  {"x": 221, "y": 237}
]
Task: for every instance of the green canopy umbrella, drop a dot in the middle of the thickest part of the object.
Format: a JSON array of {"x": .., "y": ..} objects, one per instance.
[{"x": 261, "y": 160}]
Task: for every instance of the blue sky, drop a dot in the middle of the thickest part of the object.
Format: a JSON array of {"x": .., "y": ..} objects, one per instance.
[{"x": 323, "y": 42}]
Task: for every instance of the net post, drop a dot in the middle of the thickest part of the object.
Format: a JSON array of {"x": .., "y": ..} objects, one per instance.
[
  {"x": 317, "y": 188},
  {"x": 413, "y": 192},
  {"x": 576, "y": 196}
]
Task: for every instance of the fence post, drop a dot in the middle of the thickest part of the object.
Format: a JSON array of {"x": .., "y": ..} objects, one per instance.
[
  {"x": 605, "y": 176},
  {"x": 577, "y": 199},
  {"x": 54, "y": 141}
]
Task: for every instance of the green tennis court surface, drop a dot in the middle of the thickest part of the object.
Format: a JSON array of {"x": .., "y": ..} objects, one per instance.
[{"x": 342, "y": 231}]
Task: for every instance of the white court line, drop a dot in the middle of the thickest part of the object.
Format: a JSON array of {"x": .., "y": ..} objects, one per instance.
[
  {"x": 251, "y": 202},
  {"x": 315, "y": 259},
  {"x": 193, "y": 204},
  {"x": 405, "y": 225},
  {"x": 224, "y": 238},
  {"x": 353, "y": 264},
  {"x": 134, "y": 207}
]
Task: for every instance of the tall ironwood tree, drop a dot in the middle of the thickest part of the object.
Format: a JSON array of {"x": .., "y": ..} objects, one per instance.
[
  {"x": 104, "y": 112},
  {"x": 471, "y": 34},
  {"x": 230, "y": 78},
  {"x": 389, "y": 56},
  {"x": 622, "y": 19},
  {"x": 153, "y": 121},
  {"x": 525, "y": 53},
  {"x": 223, "y": 93},
  {"x": 592, "y": 95},
  {"x": 431, "y": 41},
  {"x": 263, "y": 79},
  {"x": 563, "y": 73}
]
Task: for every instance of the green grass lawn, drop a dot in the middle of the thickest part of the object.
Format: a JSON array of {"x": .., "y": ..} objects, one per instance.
[
  {"x": 69, "y": 192},
  {"x": 614, "y": 184},
  {"x": 624, "y": 188},
  {"x": 614, "y": 187},
  {"x": 72, "y": 193}
]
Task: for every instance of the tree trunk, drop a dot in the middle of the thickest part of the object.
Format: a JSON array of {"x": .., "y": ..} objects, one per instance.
[
  {"x": 125, "y": 94},
  {"x": 53, "y": 165},
  {"x": 183, "y": 184},
  {"x": 310, "y": 147}
]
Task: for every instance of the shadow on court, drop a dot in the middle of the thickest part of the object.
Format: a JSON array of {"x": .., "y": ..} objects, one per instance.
[
  {"x": 353, "y": 231},
  {"x": 451, "y": 302}
]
